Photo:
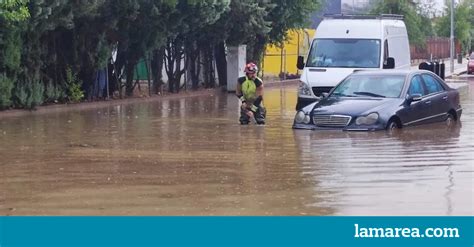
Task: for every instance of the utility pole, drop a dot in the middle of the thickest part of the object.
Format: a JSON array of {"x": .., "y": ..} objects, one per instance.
[{"x": 452, "y": 37}]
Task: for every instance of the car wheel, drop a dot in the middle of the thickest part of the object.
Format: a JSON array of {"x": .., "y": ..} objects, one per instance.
[
  {"x": 393, "y": 126},
  {"x": 450, "y": 120}
]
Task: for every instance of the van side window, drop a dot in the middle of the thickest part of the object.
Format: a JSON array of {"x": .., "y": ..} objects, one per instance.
[{"x": 416, "y": 86}]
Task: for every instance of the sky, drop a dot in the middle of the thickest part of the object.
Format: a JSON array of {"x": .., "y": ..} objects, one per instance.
[{"x": 439, "y": 5}]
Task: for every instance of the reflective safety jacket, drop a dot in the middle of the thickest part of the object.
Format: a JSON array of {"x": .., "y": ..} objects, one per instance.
[{"x": 249, "y": 87}]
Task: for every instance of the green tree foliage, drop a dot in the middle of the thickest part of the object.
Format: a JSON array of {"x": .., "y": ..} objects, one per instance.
[
  {"x": 13, "y": 14},
  {"x": 427, "y": 10},
  {"x": 13, "y": 11},
  {"x": 463, "y": 22},
  {"x": 413, "y": 21},
  {"x": 52, "y": 50},
  {"x": 28, "y": 93},
  {"x": 6, "y": 86},
  {"x": 75, "y": 92},
  {"x": 142, "y": 26},
  {"x": 194, "y": 39},
  {"x": 257, "y": 23},
  {"x": 471, "y": 14}
]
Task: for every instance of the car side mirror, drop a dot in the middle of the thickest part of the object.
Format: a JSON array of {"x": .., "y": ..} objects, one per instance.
[
  {"x": 389, "y": 63},
  {"x": 300, "y": 63},
  {"x": 414, "y": 98}
]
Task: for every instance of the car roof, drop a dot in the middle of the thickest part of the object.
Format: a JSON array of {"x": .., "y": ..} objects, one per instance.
[{"x": 385, "y": 72}]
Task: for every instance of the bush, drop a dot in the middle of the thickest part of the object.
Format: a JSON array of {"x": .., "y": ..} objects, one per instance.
[
  {"x": 75, "y": 92},
  {"x": 6, "y": 86},
  {"x": 54, "y": 93},
  {"x": 28, "y": 94}
]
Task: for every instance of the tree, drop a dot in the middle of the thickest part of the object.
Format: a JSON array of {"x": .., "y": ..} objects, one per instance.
[
  {"x": 258, "y": 23},
  {"x": 52, "y": 50},
  {"x": 143, "y": 26},
  {"x": 427, "y": 11},
  {"x": 13, "y": 15},
  {"x": 283, "y": 16},
  {"x": 413, "y": 21},
  {"x": 463, "y": 23}
]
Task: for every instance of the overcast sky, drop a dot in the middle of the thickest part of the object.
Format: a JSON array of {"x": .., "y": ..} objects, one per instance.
[{"x": 439, "y": 4}]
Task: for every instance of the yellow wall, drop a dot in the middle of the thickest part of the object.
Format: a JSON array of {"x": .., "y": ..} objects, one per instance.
[{"x": 298, "y": 41}]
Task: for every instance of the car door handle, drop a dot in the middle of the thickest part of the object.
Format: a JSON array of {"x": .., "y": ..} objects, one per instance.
[
  {"x": 445, "y": 97},
  {"x": 428, "y": 102}
]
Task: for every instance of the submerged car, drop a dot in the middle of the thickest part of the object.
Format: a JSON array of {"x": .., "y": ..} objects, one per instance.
[
  {"x": 383, "y": 99},
  {"x": 470, "y": 64}
]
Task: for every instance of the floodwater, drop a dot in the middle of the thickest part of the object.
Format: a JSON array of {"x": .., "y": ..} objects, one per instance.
[{"x": 191, "y": 157}]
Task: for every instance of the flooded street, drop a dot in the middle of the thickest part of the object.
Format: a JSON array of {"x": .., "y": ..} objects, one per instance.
[{"x": 191, "y": 157}]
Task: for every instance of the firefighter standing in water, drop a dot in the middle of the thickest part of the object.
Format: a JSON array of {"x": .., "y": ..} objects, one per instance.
[{"x": 250, "y": 92}]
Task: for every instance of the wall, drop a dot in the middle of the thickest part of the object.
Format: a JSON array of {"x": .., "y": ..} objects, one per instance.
[{"x": 278, "y": 60}]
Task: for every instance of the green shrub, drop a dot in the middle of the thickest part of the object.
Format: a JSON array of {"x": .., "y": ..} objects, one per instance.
[
  {"x": 37, "y": 92},
  {"x": 6, "y": 86},
  {"x": 20, "y": 96},
  {"x": 28, "y": 94},
  {"x": 75, "y": 92},
  {"x": 54, "y": 93}
]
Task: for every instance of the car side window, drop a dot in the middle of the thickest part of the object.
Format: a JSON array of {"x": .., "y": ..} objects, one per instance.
[
  {"x": 432, "y": 85},
  {"x": 416, "y": 86}
]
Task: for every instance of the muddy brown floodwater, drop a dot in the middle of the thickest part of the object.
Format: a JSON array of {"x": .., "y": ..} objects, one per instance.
[{"x": 191, "y": 157}]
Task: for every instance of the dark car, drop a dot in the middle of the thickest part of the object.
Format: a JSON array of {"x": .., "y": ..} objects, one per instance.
[
  {"x": 470, "y": 64},
  {"x": 383, "y": 99}
]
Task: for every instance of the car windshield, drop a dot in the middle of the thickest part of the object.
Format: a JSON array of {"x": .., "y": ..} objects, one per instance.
[
  {"x": 345, "y": 53},
  {"x": 380, "y": 86}
]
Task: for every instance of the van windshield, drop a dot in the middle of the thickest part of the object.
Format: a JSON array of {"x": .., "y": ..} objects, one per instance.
[{"x": 345, "y": 53}]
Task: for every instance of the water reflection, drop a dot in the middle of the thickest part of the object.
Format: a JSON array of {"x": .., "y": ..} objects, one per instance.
[
  {"x": 191, "y": 157},
  {"x": 426, "y": 170}
]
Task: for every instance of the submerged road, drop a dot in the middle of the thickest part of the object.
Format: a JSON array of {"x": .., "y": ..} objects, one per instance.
[{"x": 190, "y": 156}]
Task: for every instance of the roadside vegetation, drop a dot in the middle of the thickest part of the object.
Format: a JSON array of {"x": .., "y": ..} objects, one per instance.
[
  {"x": 55, "y": 51},
  {"x": 60, "y": 51},
  {"x": 423, "y": 20}
]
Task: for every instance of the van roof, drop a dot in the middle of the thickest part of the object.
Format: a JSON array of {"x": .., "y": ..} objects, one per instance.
[
  {"x": 365, "y": 28},
  {"x": 381, "y": 16}
]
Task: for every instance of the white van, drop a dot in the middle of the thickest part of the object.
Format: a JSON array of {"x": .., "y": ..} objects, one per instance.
[{"x": 346, "y": 43}]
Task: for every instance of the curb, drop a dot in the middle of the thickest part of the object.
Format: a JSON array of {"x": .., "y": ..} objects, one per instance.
[
  {"x": 281, "y": 83},
  {"x": 48, "y": 109}
]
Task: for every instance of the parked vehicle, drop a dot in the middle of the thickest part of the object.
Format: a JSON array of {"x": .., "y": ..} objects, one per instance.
[
  {"x": 384, "y": 99},
  {"x": 344, "y": 44},
  {"x": 470, "y": 64}
]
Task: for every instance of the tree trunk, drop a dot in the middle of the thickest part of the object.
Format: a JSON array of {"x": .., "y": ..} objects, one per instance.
[
  {"x": 177, "y": 74},
  {"x": 157, "y": 69},
  {"x": 192, "y": 54},
  {"x": 169, "y": 65},
  {"x": 209, "y": 79},
  {"x": 129, "y": 85},
  {"x": 173, "y": 57},
  {"x": 117, "y": 67},
  {"x": 221, "y": 63}
]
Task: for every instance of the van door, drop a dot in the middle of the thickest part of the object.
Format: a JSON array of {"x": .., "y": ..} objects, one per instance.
[{"x": 385, "y": 53}]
